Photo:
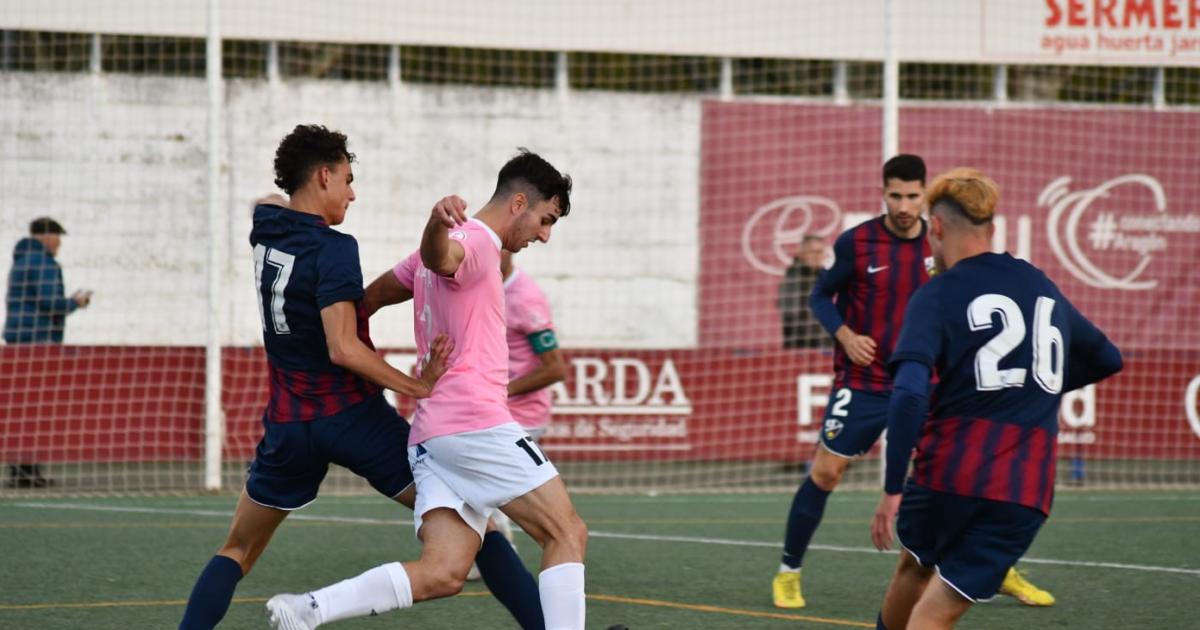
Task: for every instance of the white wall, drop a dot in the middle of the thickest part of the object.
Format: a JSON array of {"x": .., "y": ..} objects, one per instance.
[{"x": 120, "y": 161}]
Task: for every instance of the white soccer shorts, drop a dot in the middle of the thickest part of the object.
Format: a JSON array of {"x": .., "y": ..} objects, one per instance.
[{"x": 475, "y": 473}]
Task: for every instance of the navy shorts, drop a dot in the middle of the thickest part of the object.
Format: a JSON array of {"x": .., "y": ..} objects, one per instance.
[
  {"x": 854, "y": 419},
  {"x": 291, "y": 460},
  {"x": 971, "y": 541}
]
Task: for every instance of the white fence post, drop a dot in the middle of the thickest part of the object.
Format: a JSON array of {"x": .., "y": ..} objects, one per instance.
[{"x": 214, "y": 418}]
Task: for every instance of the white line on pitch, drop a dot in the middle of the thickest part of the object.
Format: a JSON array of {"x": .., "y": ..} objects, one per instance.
[
  {"x": 592, "y": 534},
  {"x": 357, "y": 520},
  {"x": 847, "y": 496},
  {"x": 776, "y": 545},
  {"x": 859, "y": 496}
]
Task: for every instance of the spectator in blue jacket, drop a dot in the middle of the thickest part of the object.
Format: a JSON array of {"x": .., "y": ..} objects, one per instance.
[
  {"x": 37, "y": 309},
  {"x": 37, "y": 304}
]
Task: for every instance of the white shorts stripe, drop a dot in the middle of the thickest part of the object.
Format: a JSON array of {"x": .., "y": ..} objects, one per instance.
[{"x": 951, "y": 585}]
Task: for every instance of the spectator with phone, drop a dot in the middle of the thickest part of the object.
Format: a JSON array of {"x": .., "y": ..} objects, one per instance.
[{"x": 36, "y": 310}]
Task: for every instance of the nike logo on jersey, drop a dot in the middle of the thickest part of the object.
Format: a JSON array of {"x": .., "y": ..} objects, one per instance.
[{"x": 871, "y": 269}]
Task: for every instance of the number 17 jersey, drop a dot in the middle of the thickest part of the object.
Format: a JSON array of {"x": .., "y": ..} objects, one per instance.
[{"x": 301, "y": 265}]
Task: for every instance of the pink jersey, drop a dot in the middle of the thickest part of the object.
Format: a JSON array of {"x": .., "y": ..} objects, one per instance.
[
  {"x": 469, "y": 308},
  {"x": 526, "y": 312}
]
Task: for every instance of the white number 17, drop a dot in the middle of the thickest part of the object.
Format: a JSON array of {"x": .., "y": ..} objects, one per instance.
[{"x": 282, "y": 262}]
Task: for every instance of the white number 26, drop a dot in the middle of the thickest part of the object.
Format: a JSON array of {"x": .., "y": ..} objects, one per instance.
[{"x": 1047, "y": 344}]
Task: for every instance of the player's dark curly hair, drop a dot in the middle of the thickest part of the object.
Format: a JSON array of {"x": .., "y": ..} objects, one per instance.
[
  {"x": 905, "y": 167},
  {"x": 304, "y": 149},
  {"x": 528, "y": 172}
]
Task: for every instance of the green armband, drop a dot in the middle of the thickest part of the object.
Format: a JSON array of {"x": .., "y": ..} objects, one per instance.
[{"x": 543, "y": 341}]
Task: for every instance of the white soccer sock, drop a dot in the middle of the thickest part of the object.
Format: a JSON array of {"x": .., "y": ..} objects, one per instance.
[
  {"x": 561, "y": 590},
  {"x": 378, "y": 590},
  {"x": 783, "y": 568}
]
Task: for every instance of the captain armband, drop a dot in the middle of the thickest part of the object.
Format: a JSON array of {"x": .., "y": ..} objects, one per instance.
[{"x": 543, "y": 341}]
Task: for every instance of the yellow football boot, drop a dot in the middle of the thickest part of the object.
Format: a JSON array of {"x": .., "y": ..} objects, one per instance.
[
  {"x": 1017, "y": 586},
  {"x": 786, "y": 587}
]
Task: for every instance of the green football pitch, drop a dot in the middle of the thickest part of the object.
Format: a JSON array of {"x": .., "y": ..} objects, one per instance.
[{"x": 1113, "y": 560}]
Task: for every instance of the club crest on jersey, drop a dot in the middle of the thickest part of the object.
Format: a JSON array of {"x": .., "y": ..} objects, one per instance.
[
  {"x": 833, "y": 428},
  {"x": 458, "y": 235},
  {"x": 930, "y": 267}
]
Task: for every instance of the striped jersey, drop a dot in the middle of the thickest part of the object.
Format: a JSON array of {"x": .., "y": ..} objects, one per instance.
[
  {"x": 874, "y": 273},
  {"x": 1005, "y": 344},
  {"x": 301, "y": 265}
]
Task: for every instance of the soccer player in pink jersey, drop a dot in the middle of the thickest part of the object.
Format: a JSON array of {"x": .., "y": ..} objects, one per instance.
[
  {"x": 469, "y": 457},
  {"x": 534, "y": 364},
  {"x": 534, "y": 361}
]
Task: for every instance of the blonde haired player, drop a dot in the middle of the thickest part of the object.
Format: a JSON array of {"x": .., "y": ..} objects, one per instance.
[
  {"x": 861, "y": 300},
  {"x": 1006, "y": 345}
]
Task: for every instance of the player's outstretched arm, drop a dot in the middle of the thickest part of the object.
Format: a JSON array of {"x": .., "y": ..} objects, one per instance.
[
  {"x": 385, "y": 290},
  {"x": 438, "y": 253},
  {"x": 347, "y": 350},
  {"x": 437, "y": 362}
]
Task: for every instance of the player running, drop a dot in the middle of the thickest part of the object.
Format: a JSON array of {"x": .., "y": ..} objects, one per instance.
[
  {"x": 1005, "y": 345},
  {"x": 326, "y": 401},
  {"x": 860, "y": 300},
  {"x": 468, "y": 455}
]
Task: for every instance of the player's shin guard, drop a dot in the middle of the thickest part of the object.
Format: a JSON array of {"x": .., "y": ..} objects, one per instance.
[
  {"x": 378, "y": 590},
  {"x": 561, "y": 588},
  {"x": 510, "y": 581},
  {"x": 808, "y": 506},
  {"x": 211, "y": 595}
]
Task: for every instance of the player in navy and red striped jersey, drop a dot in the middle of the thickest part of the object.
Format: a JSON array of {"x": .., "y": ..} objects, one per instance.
[
  {"x": 1005, "y": 345},
  {"x": 860, "y": 300},
  {"x": 327, "y": 382},
  {"x": 300, "y": 256}
]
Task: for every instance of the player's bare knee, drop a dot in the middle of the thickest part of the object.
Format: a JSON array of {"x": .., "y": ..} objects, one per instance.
[
  {"x": 570, "y": 530},
  {"x": 444, "y": 582},
  {"x": 826, "y": 477},
  {"x": 243, "y": 549},
  {"x": 909, "y": 566},
  {"x": 577, "y": 533},
  {"x": 827, "y": 470}
]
